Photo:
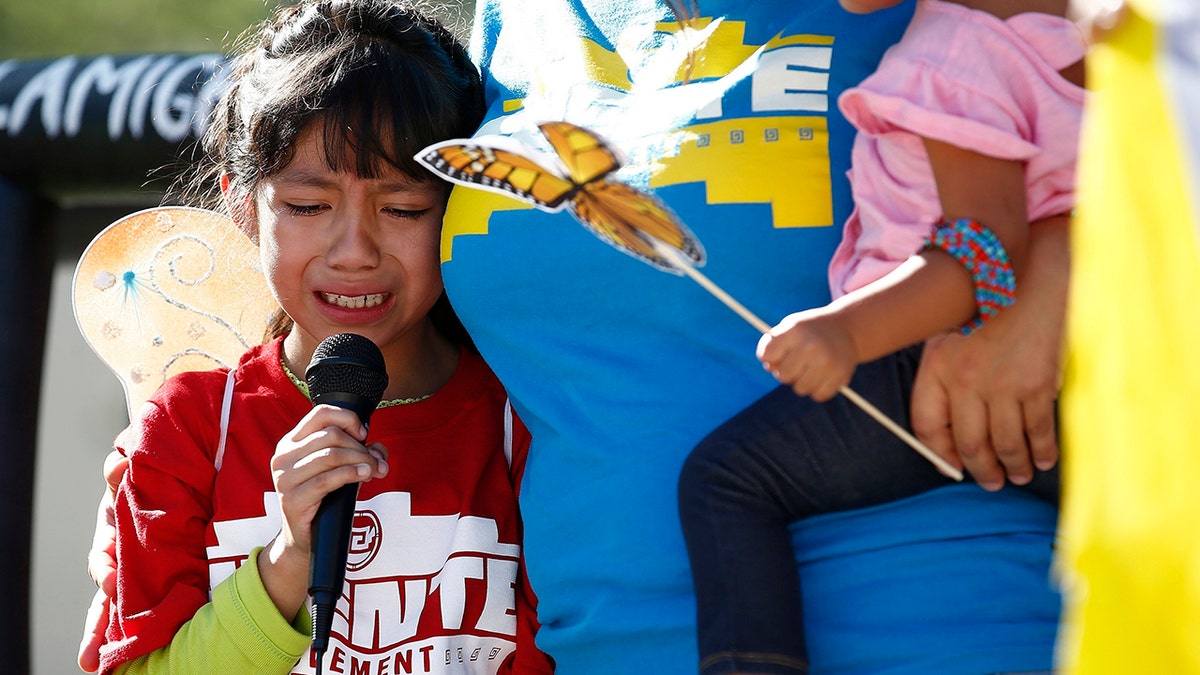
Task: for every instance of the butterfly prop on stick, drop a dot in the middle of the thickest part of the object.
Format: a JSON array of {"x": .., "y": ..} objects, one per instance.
[{"x": 579, "y": 178}]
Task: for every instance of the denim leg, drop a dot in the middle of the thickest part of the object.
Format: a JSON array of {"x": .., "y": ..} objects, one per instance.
[{"x": 782, "y": 459}]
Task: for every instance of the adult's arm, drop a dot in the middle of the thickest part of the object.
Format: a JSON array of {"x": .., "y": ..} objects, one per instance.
[
  {"x": 240, "y": 631},
  {"x": 986, "y": 402}
]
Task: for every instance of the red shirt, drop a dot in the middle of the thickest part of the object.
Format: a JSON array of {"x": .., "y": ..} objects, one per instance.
[{"x": 434, "y": 581}]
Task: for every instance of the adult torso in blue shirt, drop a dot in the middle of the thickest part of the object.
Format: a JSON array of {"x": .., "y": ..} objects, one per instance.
[{"x": 619, "y": 368}]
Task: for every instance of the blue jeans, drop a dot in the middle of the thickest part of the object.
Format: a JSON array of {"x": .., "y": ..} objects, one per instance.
[{"x": 782, "y": 459}]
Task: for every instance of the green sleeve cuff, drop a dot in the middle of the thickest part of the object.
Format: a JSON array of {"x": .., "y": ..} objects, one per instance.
[{"x": 252, "y": 623}]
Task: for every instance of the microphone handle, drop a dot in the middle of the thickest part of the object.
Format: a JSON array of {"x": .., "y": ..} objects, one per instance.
[
  {"x": 331, "y": 528},
  {"x": 327, "y": 568}
]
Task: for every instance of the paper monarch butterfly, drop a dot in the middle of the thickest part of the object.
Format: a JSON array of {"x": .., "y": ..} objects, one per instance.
[{"x": 577, "y": 178}]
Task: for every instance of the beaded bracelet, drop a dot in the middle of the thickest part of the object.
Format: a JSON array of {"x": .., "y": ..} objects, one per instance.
[{"x": 978, "y": 250}]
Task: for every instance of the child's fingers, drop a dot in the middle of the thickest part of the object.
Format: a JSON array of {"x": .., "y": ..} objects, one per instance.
[
  {"x": 820, "y": 383},
  {"x": 325, "y": 415},
  {"x": 764, "y": 344},
  {"x": 305, "y": 473},
  {"x": 322, "y": 483},
  {"x": 327, "y": 450},
  {"x": 332, "y": 459},
  {"x": 326, "y": 438},
  {"x": 784, "y": 351},
  {"x": 829, "y": 387},
  {"x": 380, "y": 453}
]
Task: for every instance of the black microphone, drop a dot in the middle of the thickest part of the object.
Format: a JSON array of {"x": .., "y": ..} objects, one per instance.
[{"x": 346, "y": 371}]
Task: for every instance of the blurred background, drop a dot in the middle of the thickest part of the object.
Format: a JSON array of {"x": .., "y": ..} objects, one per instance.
[{"x": 61, "y": 183}]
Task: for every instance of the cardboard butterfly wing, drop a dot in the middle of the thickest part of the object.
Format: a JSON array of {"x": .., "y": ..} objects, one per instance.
[
  {"x": 576, "y": 176},
  {"x": 168, "y": 290},
  {"x": 500, "y": 165}
]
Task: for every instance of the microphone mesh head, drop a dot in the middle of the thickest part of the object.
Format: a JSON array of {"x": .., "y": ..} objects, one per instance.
[{"x": 348, "y": 363}]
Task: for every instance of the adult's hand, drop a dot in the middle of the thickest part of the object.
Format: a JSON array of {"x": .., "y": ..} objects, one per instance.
[
  {"x": 986, "y": 402},
  {"x": 102, "y": 566}
]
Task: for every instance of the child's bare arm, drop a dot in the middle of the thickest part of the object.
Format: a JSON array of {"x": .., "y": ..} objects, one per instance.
[
  {"x": 932, "y": 292},
  {"x": 867, "y": 6},
  {"x": 815, "y": 352},
  {"x": 987, "y": 189}
]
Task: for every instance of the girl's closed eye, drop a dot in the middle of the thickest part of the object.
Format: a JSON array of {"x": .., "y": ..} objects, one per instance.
[
  {"x": 406, "y": 214},
  {"x": 304, "y": 209}
]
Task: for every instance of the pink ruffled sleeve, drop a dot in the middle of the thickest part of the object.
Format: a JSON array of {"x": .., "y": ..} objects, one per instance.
[{"x": 914, "y": 96}]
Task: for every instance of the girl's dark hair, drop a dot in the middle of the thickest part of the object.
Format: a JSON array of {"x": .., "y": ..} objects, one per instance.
[{"x": 383, "y": 80}]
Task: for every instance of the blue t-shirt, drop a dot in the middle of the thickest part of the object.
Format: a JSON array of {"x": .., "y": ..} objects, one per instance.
[{"x": 619, "y": 368}]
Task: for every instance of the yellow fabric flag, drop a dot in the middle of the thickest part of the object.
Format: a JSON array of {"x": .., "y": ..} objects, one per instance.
[{"x": 1130, "y": 549}]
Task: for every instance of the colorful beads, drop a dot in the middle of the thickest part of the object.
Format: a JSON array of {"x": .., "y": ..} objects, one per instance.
[{"x": 980, "y": 252}]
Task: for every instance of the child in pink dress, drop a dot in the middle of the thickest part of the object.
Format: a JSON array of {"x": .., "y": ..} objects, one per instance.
[{"x": 967, "y": 133}]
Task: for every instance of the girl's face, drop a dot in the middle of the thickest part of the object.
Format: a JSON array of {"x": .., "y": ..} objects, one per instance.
[{"x": 347, "y": 254}]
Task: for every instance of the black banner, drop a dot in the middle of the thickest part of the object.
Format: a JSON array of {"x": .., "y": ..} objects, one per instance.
[{"x": 104, "y": 123}]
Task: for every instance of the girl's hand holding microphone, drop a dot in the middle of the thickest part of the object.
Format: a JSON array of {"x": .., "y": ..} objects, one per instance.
[{"x": 322, "y": 453}]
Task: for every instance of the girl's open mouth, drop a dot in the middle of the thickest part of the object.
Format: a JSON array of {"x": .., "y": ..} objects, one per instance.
[{"x": 354, "y": 301}]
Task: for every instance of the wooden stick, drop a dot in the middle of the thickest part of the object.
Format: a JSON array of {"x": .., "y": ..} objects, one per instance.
[{"x": 686, "y": 267}]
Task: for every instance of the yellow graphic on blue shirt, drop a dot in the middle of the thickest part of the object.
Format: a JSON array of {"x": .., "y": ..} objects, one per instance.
[
  {"x": 757, "y": 158},
  {"x": 784, "y": 151},
  {"x": 716, "y": 48}
]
